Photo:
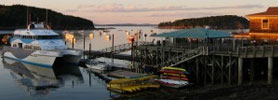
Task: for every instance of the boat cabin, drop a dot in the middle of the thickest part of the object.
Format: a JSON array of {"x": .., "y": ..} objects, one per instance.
[{"x": 36, "y": 37}]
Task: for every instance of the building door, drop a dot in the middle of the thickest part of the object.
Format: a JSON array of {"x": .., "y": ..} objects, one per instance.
[{"x": 19, "y": 45}]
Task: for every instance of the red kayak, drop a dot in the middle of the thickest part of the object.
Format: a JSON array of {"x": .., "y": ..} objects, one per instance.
[
  {"x": 174, "y": 75},
  {"x": 175, "y": 78},
  {"x": 172, "y": 71}
]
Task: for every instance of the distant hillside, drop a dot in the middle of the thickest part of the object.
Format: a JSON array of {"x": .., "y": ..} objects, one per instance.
[
  {"x": 126, "y": 24},
  {"x": 215, "y": 22},
  {"x": 13, "y": 17}
]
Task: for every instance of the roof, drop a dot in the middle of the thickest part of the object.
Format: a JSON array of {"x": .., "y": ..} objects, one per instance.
[
  {"x": 271, "y": 11},
  {"x": 195, "y": 33},
  {"x": 35, "y": 32}
]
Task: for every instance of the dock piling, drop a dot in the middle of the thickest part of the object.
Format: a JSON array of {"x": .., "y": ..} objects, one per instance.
[
  {"x": 240, "y": 65},
  {"x": 90, "y": 48},
  {"x": 72, "y": 44},
  {"x": 270, "y": 67}
]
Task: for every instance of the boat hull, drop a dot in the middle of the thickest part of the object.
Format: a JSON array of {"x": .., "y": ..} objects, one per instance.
[
  {"x": 41, "y": 58},
  {"x": 43, "y": 61}
]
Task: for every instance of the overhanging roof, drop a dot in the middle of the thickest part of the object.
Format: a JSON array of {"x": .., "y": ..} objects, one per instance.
[
  {"x": 195, "y": 33},
  {"x": 271, "y": 11}
]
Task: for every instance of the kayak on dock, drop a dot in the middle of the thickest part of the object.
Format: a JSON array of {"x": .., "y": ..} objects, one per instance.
[
  {"x": 130, "y": 85},
  {"x": 173, "y": 77}
]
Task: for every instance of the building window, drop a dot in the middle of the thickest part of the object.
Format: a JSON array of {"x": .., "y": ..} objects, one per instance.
[
  {"x": 265, "y": 24},
  {"x": 14, "y": 45},
  {"x": 27, "y": 47},
  {"x": 37, "y": 47}
]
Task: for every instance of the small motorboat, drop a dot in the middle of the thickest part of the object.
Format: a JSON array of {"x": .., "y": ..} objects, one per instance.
[{"x": 97, "y": 65}]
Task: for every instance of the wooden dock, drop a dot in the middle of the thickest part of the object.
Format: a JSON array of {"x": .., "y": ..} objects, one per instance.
[
  {"x": 115, "y": 51},
  {"x": 218, "y": 62},
  {"x": 125, "y": 74}
]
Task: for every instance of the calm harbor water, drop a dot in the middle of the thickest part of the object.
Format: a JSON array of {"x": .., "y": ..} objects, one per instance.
[{"x": 19, "y": 81}]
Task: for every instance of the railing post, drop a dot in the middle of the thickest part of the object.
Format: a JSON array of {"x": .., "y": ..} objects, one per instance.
[
  {"x": 240, "y": 65},
  {"x": 90, "y": 46},
  {"x": 272, "y": 51},
  {"x": 238, "y": 51},
  {"x": 270, "y": 68},
  {"x": 72, "y": 44},
  {"x": 112, "y": 43}
]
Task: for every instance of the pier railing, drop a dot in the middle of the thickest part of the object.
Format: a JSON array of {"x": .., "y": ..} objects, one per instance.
[
  {"x": 229, "y": 47},
  {"x": 257, "y": 51},
  {"x": 185, "y": 56},
  {"x": 124, "y": 47}
]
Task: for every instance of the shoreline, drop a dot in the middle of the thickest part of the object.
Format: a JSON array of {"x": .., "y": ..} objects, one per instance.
[{"x": 182, "y": 27}]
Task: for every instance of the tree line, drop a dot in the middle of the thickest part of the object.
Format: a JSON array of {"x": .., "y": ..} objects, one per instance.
[
  {"x": 215, "y": 22},
  {"x": 15, "y": 16}
]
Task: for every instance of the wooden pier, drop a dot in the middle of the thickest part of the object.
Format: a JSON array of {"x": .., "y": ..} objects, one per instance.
[
  {"x": 217, "y": 62},
  {"x": 115, "y": 51}
]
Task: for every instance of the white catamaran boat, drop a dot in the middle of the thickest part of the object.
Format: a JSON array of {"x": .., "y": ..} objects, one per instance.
[{"x": 40, "y": 46}]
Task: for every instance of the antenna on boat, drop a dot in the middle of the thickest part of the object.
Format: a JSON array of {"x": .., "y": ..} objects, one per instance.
[
  {"x": 27, "y": 17},
  {"x": 37, "y": 20},
  {"x": 46, "y": 17}
]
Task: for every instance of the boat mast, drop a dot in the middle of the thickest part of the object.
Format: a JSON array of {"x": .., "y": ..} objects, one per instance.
[
  {"x": 27, "y": 17},
  {"x": 46, "y": 17}
]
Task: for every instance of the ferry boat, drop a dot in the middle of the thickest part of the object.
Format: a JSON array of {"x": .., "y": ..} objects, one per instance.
[{"x": 41, "y": 46}]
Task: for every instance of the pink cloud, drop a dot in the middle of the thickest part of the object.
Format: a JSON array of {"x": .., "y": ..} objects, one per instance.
[{"x": 131, "y": 8}]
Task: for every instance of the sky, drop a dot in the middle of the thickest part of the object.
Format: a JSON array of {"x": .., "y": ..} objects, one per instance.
[{"x": 147, "y": 11}]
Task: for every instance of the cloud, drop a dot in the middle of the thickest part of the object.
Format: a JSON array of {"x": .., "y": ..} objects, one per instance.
[
  {"x": 131, "y": 8},
  {"x": 184, "y": 14},
  {"x": 71, "y": 10},
  {"x": 85, "y": 6},
  {"x": 114, "y": 7}
]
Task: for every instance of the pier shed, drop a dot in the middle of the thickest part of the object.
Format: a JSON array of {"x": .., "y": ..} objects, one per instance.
[{"x": 195, "y": 36}]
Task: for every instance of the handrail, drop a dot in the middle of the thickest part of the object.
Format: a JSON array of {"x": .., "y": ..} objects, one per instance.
[
  {"x": 124, "y": 47},
  {"x": 184, "y": 57}
]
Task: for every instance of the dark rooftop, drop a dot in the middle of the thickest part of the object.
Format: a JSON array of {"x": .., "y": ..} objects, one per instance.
[{"x": 271, "y": 11}]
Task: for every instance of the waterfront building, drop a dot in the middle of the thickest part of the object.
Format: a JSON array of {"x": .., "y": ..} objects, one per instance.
[{"x": 264, "y": 25}]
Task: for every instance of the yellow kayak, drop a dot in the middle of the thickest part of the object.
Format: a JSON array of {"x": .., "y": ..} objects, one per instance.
[
  {"x": 178, "y": 75},
  {"x": 128, "y": 80},
  {"x": 132, "y": 85},
  {"x": 173, "y": 68}
]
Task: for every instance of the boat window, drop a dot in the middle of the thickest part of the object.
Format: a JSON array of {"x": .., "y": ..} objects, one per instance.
[
  {"x": 27, "y": 47},
  {"x": 48, "y": 37},
  {"x": 37, "y": 47},
  {"x": 38, "y": 37},
  {"x": 14, "y": 45}
]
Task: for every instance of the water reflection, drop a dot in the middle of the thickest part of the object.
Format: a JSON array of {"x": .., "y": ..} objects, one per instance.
[{"x": 37, "y": 80}]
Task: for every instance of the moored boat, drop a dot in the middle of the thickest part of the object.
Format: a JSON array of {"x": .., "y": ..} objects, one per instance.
[
  {"x": 40, "y": 46},
  {"x": 96, "y": 65}
]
